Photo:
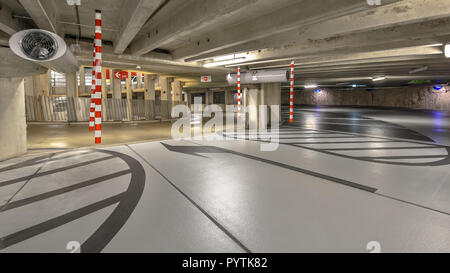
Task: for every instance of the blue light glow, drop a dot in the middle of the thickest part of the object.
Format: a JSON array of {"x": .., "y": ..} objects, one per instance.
[
  {"x": 318, "y": 91},
  {"x": 438, "y": 87}
]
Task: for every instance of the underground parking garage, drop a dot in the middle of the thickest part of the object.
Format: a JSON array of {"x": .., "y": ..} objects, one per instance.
[{"x": 237, "y": 127}]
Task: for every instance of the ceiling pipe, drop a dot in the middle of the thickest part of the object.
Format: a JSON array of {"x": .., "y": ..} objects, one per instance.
[
  {"x": 44, "y": 48},
  {"x": 260, "y": 76}
]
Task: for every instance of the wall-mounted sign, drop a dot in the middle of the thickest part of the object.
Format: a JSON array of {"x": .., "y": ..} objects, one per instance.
[
  {"x": 120, "y": 75},
  {"x": 205, "y": 79}
]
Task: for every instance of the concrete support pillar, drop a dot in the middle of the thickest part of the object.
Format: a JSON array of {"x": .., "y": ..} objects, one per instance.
[
  {"x": 244, "y": 97},
  {"x": 139, "y": 80},
  {"x": 208, "y": 99},
  {"x": 164, "y": 83},
  {"x": 116, "y": 86},
  {"x": 82, "y": 87},
  {"x": 271, "y": 95},
  {"x": 42, "y": 84},
  {"x": 29, "y": 86},
  {"x": 129, "y": 98},
  {"x": 71, "y": 85},
  {"x": 149, "y": 96},
  {"x": 71, "y": 93},
  {"x": 176, "y": 93},
  {"x": 229, "y": 97},
  {"x": 252, "y": 104},
  {"x": 186, "y": 97},
  {"x": 104, "y": 95},
  {"x": 13, "y": 130}
]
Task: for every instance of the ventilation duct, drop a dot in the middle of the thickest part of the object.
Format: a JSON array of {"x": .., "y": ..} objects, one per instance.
[
  {"x": 260, "y": 76},
  {"x": 44, "y": 48}
]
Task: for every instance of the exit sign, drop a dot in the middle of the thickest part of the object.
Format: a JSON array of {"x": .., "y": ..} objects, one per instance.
[{"x": 205, "y": 78}]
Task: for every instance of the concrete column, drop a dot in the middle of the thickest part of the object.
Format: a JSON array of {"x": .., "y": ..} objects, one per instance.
[
  {"x": 104, "y": 95},
  {"x": 129, "y": 97},
  {"x": 208, "y": 98},
  {"x": 71, "y": 85},
  {"x": 186, "y": 97},
  {"x": 139, "y": 80},
  {"x": 13, "y": 131},
  {"x": 252, "y": 103},
  {"x": 42, "y": 84},
  {"x": 149, "y": 96},
  {"x": 271, "y": 95},
  {"x": 116, "y": 88},
  {"x": 82, "y": 88},
  {"x": 229, "y": 97},
  {"x": 164, "y": 83},
  {"x": 29, "y": 86},
  {"x": 176, "y": 93},
  {"x": 71, "y": 93},
  {"x": 46, "y": 82},
  {"x": 244, "y": 97}
]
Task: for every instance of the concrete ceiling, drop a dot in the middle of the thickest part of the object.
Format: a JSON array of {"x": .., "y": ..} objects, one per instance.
[{"x": 332, "y": 42}]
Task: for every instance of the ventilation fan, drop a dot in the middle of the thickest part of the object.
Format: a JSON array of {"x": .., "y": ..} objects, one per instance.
[
  {"x": 45, "y": 48},
  {"x": 38, "y": 46}
]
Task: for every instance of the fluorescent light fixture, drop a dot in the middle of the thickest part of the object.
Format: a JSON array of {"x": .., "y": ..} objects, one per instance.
[
  {"x": 311, "y": 86},
  {"x": 417, "y": 70},
  {"x": 437, "y": 44},
  {"x": 233, "y": 61},
  {"x": 74, "y": 2},
  {"x": 230, "y": 57},
  {"x": 376, "y": 79},
  {"x": 447, "y": 50},
  {"x": 354, "y": 85}
]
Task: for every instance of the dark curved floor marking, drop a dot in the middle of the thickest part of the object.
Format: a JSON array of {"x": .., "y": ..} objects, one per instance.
[
  {"x": 195, "y": 204},
  {"x": 360, "y": 124},
  {"x": 195, "y": 150},
  {"x": 126, "y": 203},
  {"x": 444, "y": 161}
]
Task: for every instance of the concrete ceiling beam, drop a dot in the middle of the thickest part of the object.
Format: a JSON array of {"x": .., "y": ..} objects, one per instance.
[
  {"x": 362, "y": 24},
  {"x": 135, "y": 14},
  {"x": 147, "y": 62},
  {"x": 371, "y": 52},
  {"x": 197, "y": 15},
  {"x": 401, "y": 36},
  {"x": 43, "y": 13},
  {"x": 8, "y": 23},
  {"x": 281, "y": 20}
]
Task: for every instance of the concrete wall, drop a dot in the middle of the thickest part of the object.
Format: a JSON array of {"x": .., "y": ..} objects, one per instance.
[
  {"x": 423, "y": 97},
  {"x": 13, "y": 131}
]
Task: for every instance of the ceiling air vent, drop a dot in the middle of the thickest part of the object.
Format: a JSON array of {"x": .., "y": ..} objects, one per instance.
[
  {"x": 45, "y": 48},
  {"x": 38, "y": 45}
]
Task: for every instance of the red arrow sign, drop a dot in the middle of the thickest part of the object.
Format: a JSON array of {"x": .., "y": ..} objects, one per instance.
[{"x": 120, "y": 75}]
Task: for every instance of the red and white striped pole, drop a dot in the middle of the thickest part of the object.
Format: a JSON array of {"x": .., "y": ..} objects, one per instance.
[
  {"x": 92, "y": 108},
  {"x": 291, "y": 95},
  {"x": 239, "y": 91},
  {"x": 98, "y": 78}
]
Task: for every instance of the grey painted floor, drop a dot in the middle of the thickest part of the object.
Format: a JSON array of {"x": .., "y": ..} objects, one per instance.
[{"x": 340, "y": 178}]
